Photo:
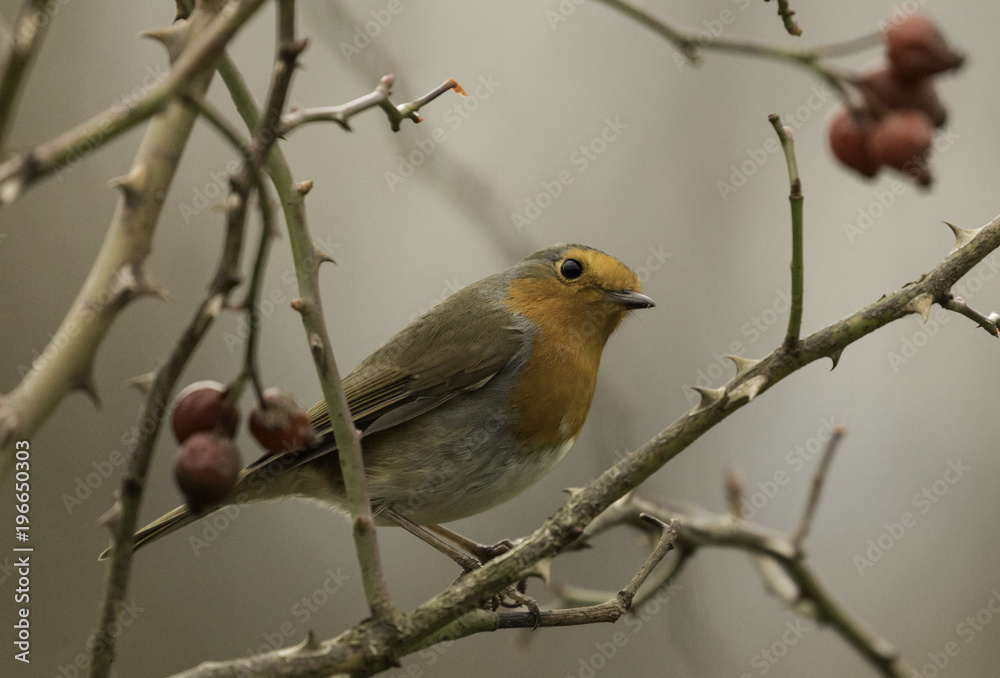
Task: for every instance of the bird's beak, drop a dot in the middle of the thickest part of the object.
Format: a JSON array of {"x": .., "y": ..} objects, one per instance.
[{"x": 630, "y": 299}]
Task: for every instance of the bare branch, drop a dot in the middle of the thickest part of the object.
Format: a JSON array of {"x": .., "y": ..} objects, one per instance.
[
  {"x": 816, "y": 488},
  {"x": 379, "y": 97},
  {"x": 787, "y": 15},
  {"x": 308, "y": 304},
  {"x": 690, "y": 44},
  {"x": 721, "y": 531},
  {"x": 67, "y": 148},
  {"x": 987, "y": 322},
  {"x": 795, "y": 199},
  {"x": 122, "y": 517},
  {"x": 27, "y": 35}
]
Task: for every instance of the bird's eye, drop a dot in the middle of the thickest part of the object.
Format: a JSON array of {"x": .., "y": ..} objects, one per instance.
[{"x": 571, "y": 269}]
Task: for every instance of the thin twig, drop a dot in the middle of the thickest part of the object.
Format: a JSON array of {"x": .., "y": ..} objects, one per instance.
[
  {"x": 265, "y": 136},
  {"x": 227, "y": 277},
  {"x": 721, "y": 531},
  {"x": 121, "y": 519},
  {"x": 691, "y": 44},
  {"x": 252, "y": 170},
  {"x": 787, "y": 15},
  {"x": 852, "y": 46},
  {"x": 378, "y": 97},
  {"x": 816, "y": 488},
  {"x": 988, "y": 323},
  {"x": 669, "y": 535},
  {"x": 348, "y": 440},
  {"x": 795, "y": 200},
  {"x": 26, "y": 37},
  {"x": 574, "y": 596},
  {"x": 307, "y": 261}
]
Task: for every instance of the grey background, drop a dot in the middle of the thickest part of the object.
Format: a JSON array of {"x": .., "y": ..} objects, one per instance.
[{"x": 653, "y": 189}]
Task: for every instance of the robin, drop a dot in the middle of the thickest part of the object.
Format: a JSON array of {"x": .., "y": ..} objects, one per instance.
[{"x": 467, "y": 406}]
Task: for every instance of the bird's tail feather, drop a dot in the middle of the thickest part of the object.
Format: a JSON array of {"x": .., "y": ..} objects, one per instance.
[
  {"x": 267, "y": 479},
  {"x": 160, "y": 527}
]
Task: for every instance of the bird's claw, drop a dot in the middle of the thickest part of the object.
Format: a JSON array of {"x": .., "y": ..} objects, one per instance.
[
  {"x": 486, "y": 553},
  {"x": 520, "y": 599}
]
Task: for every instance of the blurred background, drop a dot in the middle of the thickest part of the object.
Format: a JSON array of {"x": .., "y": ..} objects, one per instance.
[{"x": 684, "y": 190}]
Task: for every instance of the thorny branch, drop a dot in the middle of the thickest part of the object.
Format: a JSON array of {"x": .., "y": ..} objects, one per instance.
[
  {"x": 121, "y": 520},
  {"x": 27, "y": 35},
  {"x": 379, "y": 97}
]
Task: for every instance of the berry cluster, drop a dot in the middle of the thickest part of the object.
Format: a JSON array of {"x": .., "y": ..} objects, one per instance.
[
  {"x": 894, "y": 124},
  {"x": 205, "y": 420}
]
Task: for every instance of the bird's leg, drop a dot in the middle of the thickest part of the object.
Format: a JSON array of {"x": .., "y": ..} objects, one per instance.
[
  {"x": 467, "y": 562},
  {"x": 481, "y": 551},
  {"x": 485, "y": 554}
]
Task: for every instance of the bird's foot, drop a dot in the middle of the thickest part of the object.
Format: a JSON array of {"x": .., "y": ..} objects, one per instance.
[
  {"x": 513, "y": 597},
  {"x": 485, "y": 553}
]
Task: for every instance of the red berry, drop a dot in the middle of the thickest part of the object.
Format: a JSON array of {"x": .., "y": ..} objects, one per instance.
[
  {"x": 206, "y": 469},
  {"x": 917, "y": 49},
  {"x": 203, "y": 406},
  {"x": 850, "y": 134},
  {"x": 893, "y": 92},
  {"x": 902, "y": 140},
  {"x": 280, "y": 425}
]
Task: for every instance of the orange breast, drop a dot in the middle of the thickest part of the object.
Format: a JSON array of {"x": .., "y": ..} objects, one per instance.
[{"x": 551, "y": 401}]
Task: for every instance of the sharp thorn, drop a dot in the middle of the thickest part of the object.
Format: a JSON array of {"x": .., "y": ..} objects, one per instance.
[
  {"x": 321, "y": 256},
  {"x": 141, "y": 382},
  {"x": 920, "y": 304},
  {"x": 308, "y": 645},
  {"x": 173, "y": 38},
  {"x": 835, "y": 357},
  {"x": 709, "y": 397},
  {"x": 10, "y": 190},
  {"x": 112, "y": 518},
  {"x": 748, "y": 389},
  {"x": 743, "y": 365},
  {"x": 963, "y": 236},
  {"x": 132, "y": 184},
  {"x": 86, "y": 384}
]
